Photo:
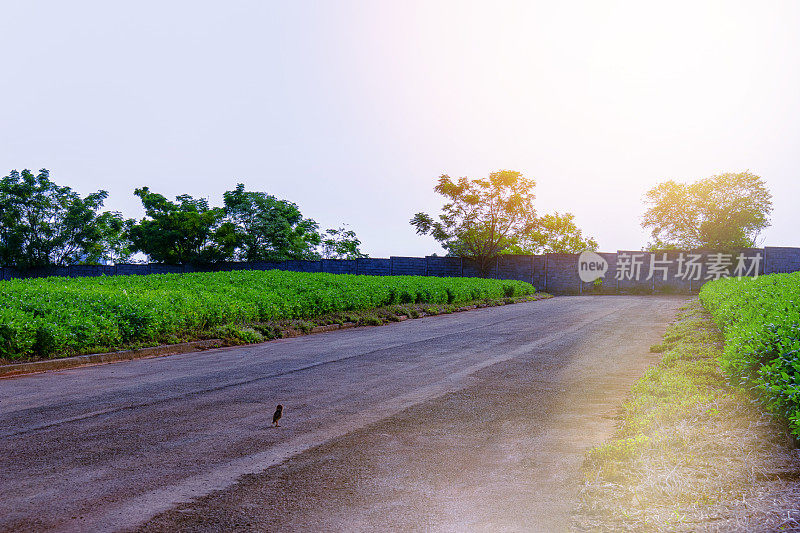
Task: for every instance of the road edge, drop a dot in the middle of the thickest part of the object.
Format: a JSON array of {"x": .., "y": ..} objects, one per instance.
[{"x": 35, "y": 367}]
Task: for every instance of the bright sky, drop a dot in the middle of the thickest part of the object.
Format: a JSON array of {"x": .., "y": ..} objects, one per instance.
[{"x": 353, "y": 109}]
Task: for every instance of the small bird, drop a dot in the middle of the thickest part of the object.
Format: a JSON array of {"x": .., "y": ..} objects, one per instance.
[{"x": 277, "y": 415}]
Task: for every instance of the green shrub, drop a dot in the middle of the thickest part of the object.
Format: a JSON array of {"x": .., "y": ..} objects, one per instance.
[
  {"x": 760, "y": 320},
  {"x": 64, "y": 316}
]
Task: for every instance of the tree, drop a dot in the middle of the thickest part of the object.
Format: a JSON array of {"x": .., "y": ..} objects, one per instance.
[
  {"x": 725, "y": 211},
  {"x": 483, "y": 217},
  {"x": 114, "y": 245},
  {"x": 554, "y": 233},
  {"x": 185, "y": 231},
  {"x": 268, "y": 229},
  {"x": 341, "y": 243},
  {"x": 44, "y": 224}
]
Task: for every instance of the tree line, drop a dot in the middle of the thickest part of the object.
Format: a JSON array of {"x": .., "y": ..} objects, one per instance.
[
  {"x": 484, "y": 218},
  {"x": 45, "y": 224}
]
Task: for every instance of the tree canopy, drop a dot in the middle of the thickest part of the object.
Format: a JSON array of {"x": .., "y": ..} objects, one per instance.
[
  {"x": 724, "y": 211},
  {"x": 341, "y": 243},
  {"x": 482, "y": 217},
  {"x": 553, "y": 233},
  {"x": 250, "y": 226},
  {"x": 44, "y": 224},
  {"x": 185, "y": 231},
  {"x": 269, "y": 229}
]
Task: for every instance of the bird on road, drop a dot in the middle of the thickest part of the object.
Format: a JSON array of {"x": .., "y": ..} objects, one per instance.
[{"x": 277, "y": 415}]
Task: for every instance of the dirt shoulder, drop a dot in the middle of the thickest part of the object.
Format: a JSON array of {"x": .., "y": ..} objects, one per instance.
[{"x": 691, "y": 453}]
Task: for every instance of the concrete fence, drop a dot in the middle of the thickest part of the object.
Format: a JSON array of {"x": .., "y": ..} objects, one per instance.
[{"x": 627, "y": 272}]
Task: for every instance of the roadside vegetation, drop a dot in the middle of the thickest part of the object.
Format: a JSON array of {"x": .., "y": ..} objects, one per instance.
[
  {"x": 760, "y": 320},
  {"x": 693, "y": 451},
  {"x": 56, "y": 317}
]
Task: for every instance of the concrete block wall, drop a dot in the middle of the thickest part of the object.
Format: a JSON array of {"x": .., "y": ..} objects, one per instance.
[
  {"x": 374, "y": 267},
  {"x": 408, "y": 266},
  {"x": 667, "y": 276},
  {"x": 781, "y": 259},
  {"x": 131, "y": 270},
  {"x": 339, "y": 266},
  {"x": 554, "y": 273},
  {"x": 519, "y": 267},
  {"x": 445, "y": 267},
  {"x": 538, "y": 276},
  {"x": 561, "y": 274}
]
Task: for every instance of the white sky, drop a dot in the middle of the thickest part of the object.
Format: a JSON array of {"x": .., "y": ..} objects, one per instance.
[{"x": 353, "y": 109}]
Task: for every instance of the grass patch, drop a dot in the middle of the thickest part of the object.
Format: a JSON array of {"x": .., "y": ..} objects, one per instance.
[{"x": 692, "y": 452}]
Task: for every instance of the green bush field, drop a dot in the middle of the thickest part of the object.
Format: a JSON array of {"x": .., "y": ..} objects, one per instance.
[
  {"x": 760, "y": 320},
  {"x": 54, "y": 317}
]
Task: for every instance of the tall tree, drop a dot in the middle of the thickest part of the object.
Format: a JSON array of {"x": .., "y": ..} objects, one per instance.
[
  {"x": 269, "y": 229},
  {"x": 553, "y": 233},
  {"x": 482, "y": 217},
  {"x": 341, "y": 243},
  {"x": 43, "y": 224},
  {"x": 185, "y": 231},
  {"x": 724, "y": 211},
  {"x": 114, "y": 245}
]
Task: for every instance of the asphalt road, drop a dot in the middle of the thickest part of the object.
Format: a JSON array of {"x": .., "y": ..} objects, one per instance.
[{"x": 471, "y": 421}]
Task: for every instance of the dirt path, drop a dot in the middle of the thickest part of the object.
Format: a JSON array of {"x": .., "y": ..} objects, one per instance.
[{"x": 472, "y": 421}]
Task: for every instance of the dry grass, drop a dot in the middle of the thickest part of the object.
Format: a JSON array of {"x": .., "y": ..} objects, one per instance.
[{"x": 692, "y": 453}]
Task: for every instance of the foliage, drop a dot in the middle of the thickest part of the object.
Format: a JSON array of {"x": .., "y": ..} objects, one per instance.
[
  {"x": 187, "y": 231},
  {"x": 483, "y": 217},
  {"x": 43, "y": 224},
  {"x": 760, "y": 319},
  {"x": 114, "y": 245},
  {"x": 725, "y": 211},
  {"x": 268, "y": 229},
  {"x": 554, "y": 233},
  {"x": 341, "y": 243},
  {"x": 44, "y": 316}
]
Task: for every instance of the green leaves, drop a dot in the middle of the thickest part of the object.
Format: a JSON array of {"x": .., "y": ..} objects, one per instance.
[
  {"x": 43, "y": 224},
  {"x": 269, "y": 229},
  {"x": 724, "y": 211},
  {"x": 483, "y": 217},
  {"x": 63, "y": 316},
  {"x": 553, "y": 233},
  {"x": 341, "y": 243},
  {"x": 487, "y": 217},
  {"x": 760, "y": 320},
  {"x": 187, "y": 231}
]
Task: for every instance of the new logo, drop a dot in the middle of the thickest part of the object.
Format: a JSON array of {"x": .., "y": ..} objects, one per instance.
[{"x": 591, "y": 266}]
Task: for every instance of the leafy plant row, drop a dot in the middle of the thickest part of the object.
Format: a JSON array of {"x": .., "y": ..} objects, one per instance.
[
  {"x": 62, "y": 316},
  {"x": 760, "y": 320}
]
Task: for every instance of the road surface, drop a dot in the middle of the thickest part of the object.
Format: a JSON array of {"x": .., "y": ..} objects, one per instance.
[{"x": 471, "y": 421}]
